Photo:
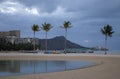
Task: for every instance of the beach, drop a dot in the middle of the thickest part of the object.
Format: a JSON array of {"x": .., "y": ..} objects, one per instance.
[{"x": 107, "y": 66}]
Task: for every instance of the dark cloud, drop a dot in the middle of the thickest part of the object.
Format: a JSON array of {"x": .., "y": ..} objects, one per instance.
[{"x": 43, "y": 5}]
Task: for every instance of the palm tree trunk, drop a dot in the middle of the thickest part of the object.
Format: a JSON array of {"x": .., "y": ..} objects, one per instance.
[
  {"x": 34, "y": 42},
  {"x": 105, "y": 44},
  {"x": 46, "y": 43},
  {"x": 46, "y": 51},
  {"x": 65, "y": 40}
]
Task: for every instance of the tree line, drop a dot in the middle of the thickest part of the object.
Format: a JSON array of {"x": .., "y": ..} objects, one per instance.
[
  {"x": 107, "y": 30},
  {"x": 8, "y": 46},
  {"x": 46, "y": 27}
]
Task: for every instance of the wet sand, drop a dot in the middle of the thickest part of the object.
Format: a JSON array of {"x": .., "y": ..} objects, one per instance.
[{"x": 108, "y": 66}]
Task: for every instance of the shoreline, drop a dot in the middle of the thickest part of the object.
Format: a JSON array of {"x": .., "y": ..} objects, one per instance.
[{"x": 109, "y": 69}]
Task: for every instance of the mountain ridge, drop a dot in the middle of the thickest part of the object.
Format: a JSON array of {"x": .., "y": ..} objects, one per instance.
[{"x": 58, "y": 43}]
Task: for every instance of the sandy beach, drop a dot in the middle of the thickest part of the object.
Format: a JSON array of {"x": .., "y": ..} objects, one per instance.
[{"x": 108, "y": 66}]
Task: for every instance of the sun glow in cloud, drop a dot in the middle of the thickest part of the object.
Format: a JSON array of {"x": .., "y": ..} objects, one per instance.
[
  {"x": 33, "y": 11},
  {"x": 8, "y": 7}
]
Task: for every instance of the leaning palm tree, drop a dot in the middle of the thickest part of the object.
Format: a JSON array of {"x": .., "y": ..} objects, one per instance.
[
  {"x": 35, "y": 28},
  {"x": 107, "y": 31},
  {"x": 66, "y": 25},
  {"x": 46, "y": 27}
]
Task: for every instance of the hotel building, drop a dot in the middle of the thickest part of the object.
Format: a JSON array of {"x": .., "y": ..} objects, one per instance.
[{"x": 13, "y": 36}]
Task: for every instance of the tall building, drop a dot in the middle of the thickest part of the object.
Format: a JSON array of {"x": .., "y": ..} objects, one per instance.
[
  {"x": 15, "y": 33},
  {"x": 13, "y": 36},
  {"x": 11, "y": 33}
]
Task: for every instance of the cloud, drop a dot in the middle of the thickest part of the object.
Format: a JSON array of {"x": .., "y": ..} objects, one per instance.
[
  {"x": 18, "y": 8},
  {"x": 33, "y": 11},
  {"x": 58, "y": 12},
  {"x": 13, "y": 8}
]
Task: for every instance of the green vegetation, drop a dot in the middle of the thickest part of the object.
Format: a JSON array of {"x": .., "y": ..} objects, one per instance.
[
  {"x": 46, "y": 27},
  {"x": 8, "y": 46},
  {"x": 35, "y": 28},
  {"x": 66, "y": 26},
  {"x": 107, "y": 31}
]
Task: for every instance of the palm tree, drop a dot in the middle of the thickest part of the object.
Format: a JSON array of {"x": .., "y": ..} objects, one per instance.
[
  {"x": 66, "y": 26},
  {"x": 35, "y": 28},
  {"x": 107, "y": 31},
  {"x": 46, "y": 27}
]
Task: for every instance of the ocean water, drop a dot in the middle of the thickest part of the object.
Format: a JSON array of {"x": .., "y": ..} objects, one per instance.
[{"x": 21, "y": 67}]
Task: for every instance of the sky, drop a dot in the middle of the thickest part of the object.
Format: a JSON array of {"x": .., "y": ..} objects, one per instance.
[{"x": 86, "y": 16}]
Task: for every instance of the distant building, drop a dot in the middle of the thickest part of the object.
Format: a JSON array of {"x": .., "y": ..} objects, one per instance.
[
  {"x": 13, "y": 36},
  {"x": 23, "y": 40},
  {"x": 11, "y": 33}
]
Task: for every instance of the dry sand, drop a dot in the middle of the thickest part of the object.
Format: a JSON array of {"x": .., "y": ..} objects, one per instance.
[{"x": 108, "y": 66}]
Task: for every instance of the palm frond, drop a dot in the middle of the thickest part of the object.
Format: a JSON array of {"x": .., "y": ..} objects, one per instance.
[
  {"x": 46, "y": 26},
  {"x": 66, "y": 25},
  {"x": 35, "y": 28},
  {"x": 107, "y": 30}
]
